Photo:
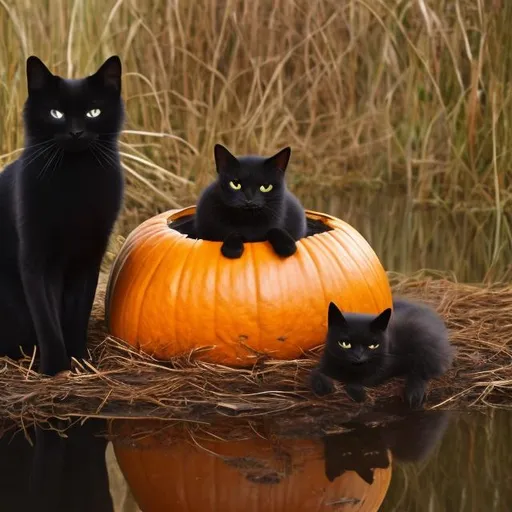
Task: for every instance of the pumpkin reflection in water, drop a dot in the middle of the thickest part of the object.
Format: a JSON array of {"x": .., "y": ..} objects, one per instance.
[
  {"x": 173, "y": 471},
  {"x": 169, "y": 294}
]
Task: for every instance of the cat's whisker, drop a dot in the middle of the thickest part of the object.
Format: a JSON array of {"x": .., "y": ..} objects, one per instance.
[
  {"x": 48, "y": 164},
  {"x": 39, "y": 153},
  {"x": 104, "y": 153},
  {"x": 99, "y": 156},
  {"x": 38, "y": 144},
  {"x": 95, "y": 155}
]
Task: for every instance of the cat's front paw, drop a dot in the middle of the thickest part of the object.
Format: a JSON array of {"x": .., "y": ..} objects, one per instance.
[
  {"x": 320, "y": 383},
  {"x": 282, "y": 242},
  {"x": 233, "y": 246},
  {"x": 52, "y": 366},
  {"x": 356, "y": 392},
  {"x": 415, "y": 393}
]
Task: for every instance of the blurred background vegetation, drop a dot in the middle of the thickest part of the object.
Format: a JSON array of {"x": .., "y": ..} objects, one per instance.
[{"x": 398, "y": 112}]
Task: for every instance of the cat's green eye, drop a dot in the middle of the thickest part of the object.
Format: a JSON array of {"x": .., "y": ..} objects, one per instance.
[
  {"x": 267, "y": 188},
  {"x": 56, "y": 114},
  {"x": 235, "y": 185},
  {"x": 95, "y": 112},
  {"x": 344, "y": 344},
  {"x": 374, "y": 346}
]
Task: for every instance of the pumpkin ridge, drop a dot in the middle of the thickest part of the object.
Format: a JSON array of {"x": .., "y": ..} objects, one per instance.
[
  {"x": 130, "y": 285},
  {"x": 355, "y": 261},
  {"x": 258, "y": 294},
  {"x": 150, "y": 237},
  {"x": 150, "y": 282},
  {"x": 176, "y": 297},
  {"x": 305, "y": 261},
  {"x": 215, "y": 301},
  {"x": 317, "y": 269},
  {"x": 332, "y": 252},
  {"x": 120, "y": 261},
  {"x": 357, "y": 242}
]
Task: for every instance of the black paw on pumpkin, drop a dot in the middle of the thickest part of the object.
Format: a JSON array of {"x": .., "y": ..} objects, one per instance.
[
  {"x": 233, "y": 246},
  {"x": 282, "y": 242}
]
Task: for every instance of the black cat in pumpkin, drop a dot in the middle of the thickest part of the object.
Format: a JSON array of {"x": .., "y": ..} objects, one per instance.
[{"x": 249, "y": 202}]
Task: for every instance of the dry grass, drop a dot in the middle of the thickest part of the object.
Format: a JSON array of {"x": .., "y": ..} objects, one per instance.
[
  {"x": 122, "y": 383},
  {"x": 401, "y": 107}
]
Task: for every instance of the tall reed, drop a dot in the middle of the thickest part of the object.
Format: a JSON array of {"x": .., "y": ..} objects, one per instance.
[{"x": 398, "y": 112}]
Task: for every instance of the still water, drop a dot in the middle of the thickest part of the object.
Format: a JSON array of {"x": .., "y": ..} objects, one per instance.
[{"x": 431, "y": 461}]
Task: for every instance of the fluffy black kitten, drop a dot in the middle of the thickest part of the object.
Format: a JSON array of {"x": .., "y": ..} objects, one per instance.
[
  {"x": 58, "y": 204},
  {"x": 363, "y": 350},
  {"x": 249, "y": 202}
]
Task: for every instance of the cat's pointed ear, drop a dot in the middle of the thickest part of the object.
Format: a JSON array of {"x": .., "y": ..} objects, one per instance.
[
  {"x": 380, "y": 323},
  {"x": 38, "y": 75},
  {"x": 223, "y": 158},
  {"x": 335, "y": 316},
  {"x": 109, "y": 73},
  {"x": 280, "y": 160}
]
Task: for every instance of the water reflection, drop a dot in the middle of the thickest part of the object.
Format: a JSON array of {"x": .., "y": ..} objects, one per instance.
[
  {"x": 228, "y": 469},
  {"x": 41, "y": 470},
  {"x": 425, "y": 461},
  {"x": 363, "y": 448}
]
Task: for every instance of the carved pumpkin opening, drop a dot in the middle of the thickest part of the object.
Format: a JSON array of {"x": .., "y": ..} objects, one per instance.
[{"x": 185, "y": 225}]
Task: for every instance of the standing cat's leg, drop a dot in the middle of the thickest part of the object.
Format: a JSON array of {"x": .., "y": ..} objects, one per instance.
[
  {"x": 320, "y": 383},
  {"x": 282, "y": 242},
  {"x": 233, "y": 246},
  {"x": 77, "y": 301},
  {"x": 415, "y": 388},
  {"x": 43, "y": 291}
]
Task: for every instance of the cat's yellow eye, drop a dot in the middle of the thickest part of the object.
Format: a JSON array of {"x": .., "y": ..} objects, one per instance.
[
  {"x": 344, "y": 344},
  {"x": 373, "y": 347},
  {"x": 95, "y": 112},
  {"x": 267, "y": 188},
  {"x": 235, "y": 185},
  {"x": 56, "y": 114}
]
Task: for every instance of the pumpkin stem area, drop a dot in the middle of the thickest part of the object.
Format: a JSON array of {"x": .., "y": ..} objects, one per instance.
[{"x": 185, "y": 225}]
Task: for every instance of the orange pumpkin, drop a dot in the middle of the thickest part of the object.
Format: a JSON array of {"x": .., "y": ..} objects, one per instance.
[
  {"x": 168, "y": 471},
  {"x": 169, "y": 294}
]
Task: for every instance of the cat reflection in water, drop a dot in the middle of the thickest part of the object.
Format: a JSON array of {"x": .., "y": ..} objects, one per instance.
[
  {"x": 366, "y": 350},
  {"x": 363, "y": 448}
]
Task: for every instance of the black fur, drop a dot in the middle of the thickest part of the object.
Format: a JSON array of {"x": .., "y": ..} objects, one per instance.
[
  {"x": 249, "y": 213},
  {"x": 409, "y": 438},
  {"x": 414, "y": 345},
  {"x": 57, "y": 473},
  {"x": 58, "y": 204}
]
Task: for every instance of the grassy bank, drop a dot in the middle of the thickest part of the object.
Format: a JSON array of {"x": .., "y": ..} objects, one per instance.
[{"x": 398, "y": 113}]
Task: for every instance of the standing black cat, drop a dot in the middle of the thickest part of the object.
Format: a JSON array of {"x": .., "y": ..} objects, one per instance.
[
  {"x": 363, "y": 350},
  {"x": 58, "y": 204},
  {"x": 249, "y": 202}
]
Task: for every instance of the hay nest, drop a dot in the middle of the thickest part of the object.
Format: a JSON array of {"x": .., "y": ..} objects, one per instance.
[{"x": 122, "y": 383}]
